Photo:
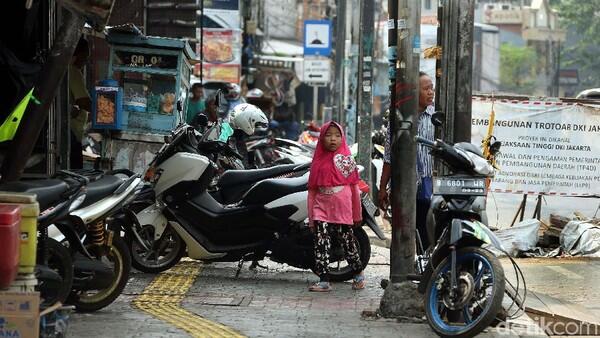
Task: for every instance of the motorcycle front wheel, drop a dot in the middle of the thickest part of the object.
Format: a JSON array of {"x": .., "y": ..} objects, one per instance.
[
  {"x": 477, "y": 300},
  {"x": 162, "y": 254},
  {"x": 119, "y": 258}
]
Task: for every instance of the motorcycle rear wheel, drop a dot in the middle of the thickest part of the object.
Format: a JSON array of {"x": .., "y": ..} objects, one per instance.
[
  {"x": 436, "y": 297},
  {"x": 120, "y": 257},
  {"x": 341, "y": 274},
  {"x": 59, "y": 260}
]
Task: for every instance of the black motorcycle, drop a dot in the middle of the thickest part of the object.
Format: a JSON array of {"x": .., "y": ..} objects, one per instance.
[
  {"x": 462, "y": 281},
  {"x": 89, "y": 264},
  {"x": 56, "y": 198}
]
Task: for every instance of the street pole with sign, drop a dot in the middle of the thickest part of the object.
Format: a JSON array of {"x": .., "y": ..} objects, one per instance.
[
  {"x": 317, "y": 73},
  {"x": 317, "y": 66}
]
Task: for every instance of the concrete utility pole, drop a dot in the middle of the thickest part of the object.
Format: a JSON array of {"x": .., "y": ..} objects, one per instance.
[
  {"x": 454, "y": 93},
  {"x": 340, "y": 49},
  {"x": 403, "y": 122},
  {"x": 364, "y": 103}
]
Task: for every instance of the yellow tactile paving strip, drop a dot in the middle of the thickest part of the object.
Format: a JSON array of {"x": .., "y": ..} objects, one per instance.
[{"x": 163, "y": 296}]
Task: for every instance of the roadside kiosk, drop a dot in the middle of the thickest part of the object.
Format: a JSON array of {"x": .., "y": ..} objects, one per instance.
[{"x": 149, "y": 78}]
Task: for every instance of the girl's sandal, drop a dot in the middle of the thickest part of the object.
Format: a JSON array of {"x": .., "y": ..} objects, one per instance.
[
  {"x": 320, "y": 287},
  {"x": 358, "y": 283}
]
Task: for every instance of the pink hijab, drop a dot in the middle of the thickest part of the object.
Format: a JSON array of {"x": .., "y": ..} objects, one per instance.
[{"x": 332, "y": 168}]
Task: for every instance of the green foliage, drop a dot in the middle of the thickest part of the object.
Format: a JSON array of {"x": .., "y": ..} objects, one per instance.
[
  {"x": 517, "y": 67},
  {"x": 584, "y": 17}
]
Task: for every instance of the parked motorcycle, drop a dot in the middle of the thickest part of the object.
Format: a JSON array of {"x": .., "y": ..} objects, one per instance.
[
  {"x": 310, "y": 136},
  {"x": 154, "y": 255},
  {"x": 103, "y": 261},
  {"x": 56, "y": 198},
  {"x": 85, "y": 262},
  {"x": 462, "y": 281},
  {"x": 267, "y": 152},
  {"x": 268, "y": 221}
]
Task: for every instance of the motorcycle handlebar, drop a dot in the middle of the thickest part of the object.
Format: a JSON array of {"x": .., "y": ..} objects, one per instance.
[
  {"x": 426, "y": 142},
  {"x": 222, "y": 147},
  {"x": 232, "y": 152}
]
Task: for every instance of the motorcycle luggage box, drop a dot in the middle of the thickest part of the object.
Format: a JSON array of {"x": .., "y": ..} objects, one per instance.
[{"x": 10, "y": 220}]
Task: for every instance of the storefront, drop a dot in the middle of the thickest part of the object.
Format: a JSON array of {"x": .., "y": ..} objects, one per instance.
[{"x": 277, "y": 77}]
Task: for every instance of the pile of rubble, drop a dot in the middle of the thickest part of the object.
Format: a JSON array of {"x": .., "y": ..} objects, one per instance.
[{"x": 561, "y": 236}]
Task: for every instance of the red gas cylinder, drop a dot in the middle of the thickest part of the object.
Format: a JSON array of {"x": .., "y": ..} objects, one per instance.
[{"x": 10, "y": 220}]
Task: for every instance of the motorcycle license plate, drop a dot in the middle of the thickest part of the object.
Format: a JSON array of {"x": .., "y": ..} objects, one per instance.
[
  {"x": 459, "y": 186},
  {"x": 368, "y": 205}
]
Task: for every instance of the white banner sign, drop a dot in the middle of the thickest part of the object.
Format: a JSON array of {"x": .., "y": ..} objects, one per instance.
[{"x": 547, "y": 148}]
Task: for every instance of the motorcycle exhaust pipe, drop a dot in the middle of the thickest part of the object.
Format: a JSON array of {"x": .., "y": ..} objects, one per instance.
[{"x": 91, "y": 275}]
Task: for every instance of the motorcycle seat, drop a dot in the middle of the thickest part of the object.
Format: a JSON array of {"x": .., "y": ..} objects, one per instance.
[
  {"x": 48, "y": 191},
  {"x": 101, "y": 188},
  {"x": 237, "y": 177},
  {"x": 271, "y": 189}
]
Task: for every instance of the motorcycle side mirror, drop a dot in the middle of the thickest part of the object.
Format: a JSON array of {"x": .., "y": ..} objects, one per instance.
[
  {"x": 438, "y": 119},
  {"x": 222, "y": 104},
  {"x": 495, "y": 147},
  {"x": 202, "y": 120}
]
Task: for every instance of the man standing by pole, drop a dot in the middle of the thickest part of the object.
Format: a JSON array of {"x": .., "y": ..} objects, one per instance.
[
  {"x": 424, "y": 166},
  {"x": 404, "y": 35}
]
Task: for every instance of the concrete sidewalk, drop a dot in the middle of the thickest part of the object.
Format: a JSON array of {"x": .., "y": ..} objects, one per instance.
[{"x": 273, "y": 303}]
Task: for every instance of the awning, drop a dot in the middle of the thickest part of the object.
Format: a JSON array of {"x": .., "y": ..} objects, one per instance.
[
  {"x": 280, "y": 62},
  {"x": 281, "y": 48}
]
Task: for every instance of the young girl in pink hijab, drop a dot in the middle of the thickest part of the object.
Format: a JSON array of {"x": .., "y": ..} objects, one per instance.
[{"x": 334, "y": 204}]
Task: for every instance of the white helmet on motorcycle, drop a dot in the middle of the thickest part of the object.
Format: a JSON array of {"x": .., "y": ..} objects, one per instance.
[
  {"x": 246, "y": 117},
  {"x": 255, "y": 93}
]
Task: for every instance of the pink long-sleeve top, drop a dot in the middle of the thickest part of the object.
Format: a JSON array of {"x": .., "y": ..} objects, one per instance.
[{"x": 339, "y": 205}]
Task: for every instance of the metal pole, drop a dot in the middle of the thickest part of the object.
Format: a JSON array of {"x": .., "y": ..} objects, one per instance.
[
  {"x": 392, "y": 52},
  {"x": 340, "y": 49},
  {"x": 557, "y": 75},
  {"x": 316, "y": 103},
  {"x": 403, "y": 117},
  {"x": 364, "y": 103}
]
